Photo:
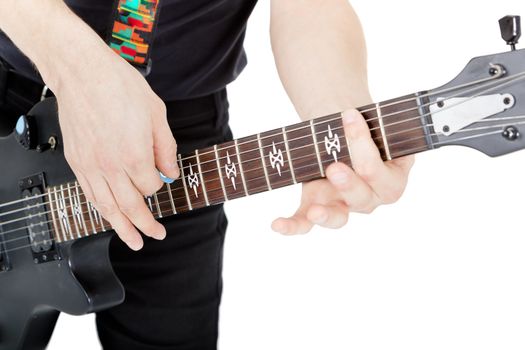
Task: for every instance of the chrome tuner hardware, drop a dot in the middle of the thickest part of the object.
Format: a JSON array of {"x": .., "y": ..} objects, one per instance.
[
  {"x": 511, "y": 133},
  {"x": 510, "y": 27}
]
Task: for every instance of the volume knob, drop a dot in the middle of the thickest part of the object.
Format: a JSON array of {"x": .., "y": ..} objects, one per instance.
[{"x": 24, "y": 133}]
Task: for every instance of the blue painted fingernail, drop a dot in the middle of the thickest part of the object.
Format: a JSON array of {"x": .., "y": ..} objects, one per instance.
[{"x": 166, "y": 179}]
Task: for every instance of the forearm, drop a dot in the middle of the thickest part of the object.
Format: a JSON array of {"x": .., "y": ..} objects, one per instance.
[
  {"x": 59, "y": 43},
  {"x": 320, "y": 53}
]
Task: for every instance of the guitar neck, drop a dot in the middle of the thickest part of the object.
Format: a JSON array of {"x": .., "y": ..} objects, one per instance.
[{"x": 258, "y": 163}]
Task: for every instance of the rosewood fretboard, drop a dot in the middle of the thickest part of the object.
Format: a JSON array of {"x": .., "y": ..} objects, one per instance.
[{"x": 257, "y": 163}]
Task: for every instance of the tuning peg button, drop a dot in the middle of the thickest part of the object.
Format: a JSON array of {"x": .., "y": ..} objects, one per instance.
[{"x": 510, "y": 27}]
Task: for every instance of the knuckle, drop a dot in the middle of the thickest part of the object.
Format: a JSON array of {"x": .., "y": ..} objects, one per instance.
[
  {"x": 107, "y": 209},
  {"x": 367, "y": 171},
  {"x": 132, "y": 161},
  {"x": 107, "y": 164},
  {"x": 151, "y": 187},
  {"x": 159, "y": 108},
  {"x": 393, "y": 195},
  {"x": 130, "y": 209}
]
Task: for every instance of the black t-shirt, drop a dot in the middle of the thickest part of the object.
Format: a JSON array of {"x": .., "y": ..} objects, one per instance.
[{"x": 197, "y": 50}]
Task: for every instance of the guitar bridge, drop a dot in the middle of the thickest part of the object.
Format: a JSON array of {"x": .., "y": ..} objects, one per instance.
[{"x": 41, "y": 241}]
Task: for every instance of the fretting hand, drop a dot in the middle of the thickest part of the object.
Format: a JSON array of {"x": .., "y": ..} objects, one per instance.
[{"x": 329, "y": 201}]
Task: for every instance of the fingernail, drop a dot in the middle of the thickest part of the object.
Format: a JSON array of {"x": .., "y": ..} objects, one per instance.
[
  {"x": 166, "y": 179},
  {"x": 280, "y": 228},
  {"x": 349, "y": 117},
  {"x": 320, "y": 219},
  {"x": 136, "y": 246},
  {"x": 339, "y": 178},
  {"x": 161, "y": 236}
]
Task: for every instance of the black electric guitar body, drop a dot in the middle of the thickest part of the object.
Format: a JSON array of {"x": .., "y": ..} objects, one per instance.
[
  {"x": 75, "y": 277},
  {"x": 54, "y": 243}
]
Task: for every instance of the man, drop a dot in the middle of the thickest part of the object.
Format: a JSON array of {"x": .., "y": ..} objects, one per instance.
[{"x": 119, "y": 128}]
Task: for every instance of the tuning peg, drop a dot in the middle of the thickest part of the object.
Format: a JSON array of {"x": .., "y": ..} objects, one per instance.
[{"x": 510, "y": 30}]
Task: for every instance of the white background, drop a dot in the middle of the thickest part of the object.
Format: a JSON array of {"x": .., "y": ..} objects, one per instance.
[{"x": 442, "y": 269}]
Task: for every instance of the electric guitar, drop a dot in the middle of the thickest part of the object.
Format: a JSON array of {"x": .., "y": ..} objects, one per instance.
[{"x": 54, "y": 243}]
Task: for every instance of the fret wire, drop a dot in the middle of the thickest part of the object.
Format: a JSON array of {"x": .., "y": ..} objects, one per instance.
[
  {"x": 171, "y": 199},
  {"x": 287, "y": 146},
  {"x": 184, "y": 184},
  {"x": 156, "y": 198},
  {"x": 60, "y": 220},
  {"x": 314, "y": 136},
  {"x": 346, "y": 140},
  {"x": 220, "y": 172},
  {"x": 64, "y": 204},
  {"x": 98, "y": 217},
  {"x": 383, "y": 133},
  {"x": 424, "y": 119},
  {"x": 69, "y": 230},
  {"x": 202, "y": 178},
  {"x": 73, "y": 209},
  {"x": 90, "y": 212},
  {"x": 77, "y": 193},
  {"x": 241, "y": 170},
  {"x": 263, "y": 162},
  {"x": 53, "y": 213}
]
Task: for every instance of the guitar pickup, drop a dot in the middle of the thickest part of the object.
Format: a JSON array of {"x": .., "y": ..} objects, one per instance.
[{"x": 41, "y": 240}]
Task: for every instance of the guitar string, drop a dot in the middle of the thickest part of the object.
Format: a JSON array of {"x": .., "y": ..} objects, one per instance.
[
  {"x": 68, "y": 198},
  {"x": 92, "y": 224},
  {"x": 414, "y": 150},
  {"x": 320, "y": 120},
  {"x": 513, "y": 77},
  {"x": 307, "y": 136},
  {"x": 378, "y": 138},
  {"x": 487, "y": 81},
  {"x": 74, "y": 187}
]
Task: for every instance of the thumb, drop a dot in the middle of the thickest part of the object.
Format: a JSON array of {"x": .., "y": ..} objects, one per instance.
[{"x": 165, "y": 149}]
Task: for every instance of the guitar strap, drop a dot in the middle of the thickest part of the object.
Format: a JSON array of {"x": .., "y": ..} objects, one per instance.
[
  {"x": 131, "y": 36},
  {"x": 133, "y": 29}
]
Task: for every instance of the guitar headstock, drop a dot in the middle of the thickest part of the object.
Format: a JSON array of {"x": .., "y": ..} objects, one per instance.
[{"x": 484, "y": 106}]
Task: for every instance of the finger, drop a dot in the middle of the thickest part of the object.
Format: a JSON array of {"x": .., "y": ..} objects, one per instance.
[
  {"x": 143, "y": 174},
  {"x": 405, "y": 164},
  {"x": 332, "y": 216},
  {"x": 86, "y": 187},
  {"x": 165, "y": 148},
  {"x": 295, "y": 225},
  {"x": 132, "y": 205},
  {"x": 107, "y": 207},
  {"x": 387, "y": 182},
  {"x": 353, "y": 190}
]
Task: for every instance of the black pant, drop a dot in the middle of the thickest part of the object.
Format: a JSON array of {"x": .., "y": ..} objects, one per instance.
[{"x": 173, "y": 287}]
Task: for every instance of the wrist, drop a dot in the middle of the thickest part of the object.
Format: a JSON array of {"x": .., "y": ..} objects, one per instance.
[{"x": 63, "y": 48}]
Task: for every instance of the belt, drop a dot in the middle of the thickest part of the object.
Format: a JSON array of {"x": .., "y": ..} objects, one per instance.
[{"x": 19, "y": 91}]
